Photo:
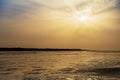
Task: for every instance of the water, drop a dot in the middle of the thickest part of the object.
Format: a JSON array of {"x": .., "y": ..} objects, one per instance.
[{"x": 59, "y": 66}]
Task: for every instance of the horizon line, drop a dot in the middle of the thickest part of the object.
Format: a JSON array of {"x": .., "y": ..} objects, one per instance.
[{"x": 52, "y": 49}]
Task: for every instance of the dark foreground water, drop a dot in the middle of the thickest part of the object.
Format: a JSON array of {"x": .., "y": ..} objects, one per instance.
[{"x": 59, "y": 66}]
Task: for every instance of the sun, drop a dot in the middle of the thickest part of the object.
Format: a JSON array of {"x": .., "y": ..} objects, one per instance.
[{"x": 82, "y": 17}]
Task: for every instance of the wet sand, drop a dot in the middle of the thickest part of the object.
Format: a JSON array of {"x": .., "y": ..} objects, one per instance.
[{"x": 71, "y": 65}]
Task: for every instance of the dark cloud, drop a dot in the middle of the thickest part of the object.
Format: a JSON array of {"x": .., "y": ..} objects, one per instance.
[
  {"x": 2, "y": 3},
  {"x": 118, "y": 4},
  {"x": 10, "y": 9}
]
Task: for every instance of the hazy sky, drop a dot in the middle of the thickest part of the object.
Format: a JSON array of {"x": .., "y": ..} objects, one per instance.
[{"x": 89, "y": 24}]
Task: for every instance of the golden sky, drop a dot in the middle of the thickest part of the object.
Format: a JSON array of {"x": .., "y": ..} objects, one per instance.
[{"x": 89, "y": 24}]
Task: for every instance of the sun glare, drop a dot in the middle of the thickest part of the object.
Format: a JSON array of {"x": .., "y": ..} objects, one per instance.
[{"x": 84, "y": 18}]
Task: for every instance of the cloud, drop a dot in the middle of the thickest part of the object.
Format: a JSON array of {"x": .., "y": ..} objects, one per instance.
[
  {"x": 20, "y": 7},
  {"x": 17, "y": 8},
  {"x": 99, "y": 6},
  {"x": 118, "y": 4},
  {"x": 2, "y": 3}
]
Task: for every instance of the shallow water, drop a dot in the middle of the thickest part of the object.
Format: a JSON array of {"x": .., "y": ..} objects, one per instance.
[{"x": 59, "y": 66}]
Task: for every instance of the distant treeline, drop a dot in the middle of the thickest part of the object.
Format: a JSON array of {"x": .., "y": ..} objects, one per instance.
[
  {"x": 37, "y": 49},
  {"x": 56, "y": 49}
]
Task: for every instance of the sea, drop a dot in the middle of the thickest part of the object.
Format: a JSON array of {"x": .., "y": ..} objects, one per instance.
[{"x": 59, "y": 65}]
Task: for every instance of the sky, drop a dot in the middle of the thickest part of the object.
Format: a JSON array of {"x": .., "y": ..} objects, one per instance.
[{"x": 86, "y": 24}]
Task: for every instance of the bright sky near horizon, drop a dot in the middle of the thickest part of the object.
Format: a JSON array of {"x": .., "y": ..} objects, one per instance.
[{"x": 89, "y": 24}]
